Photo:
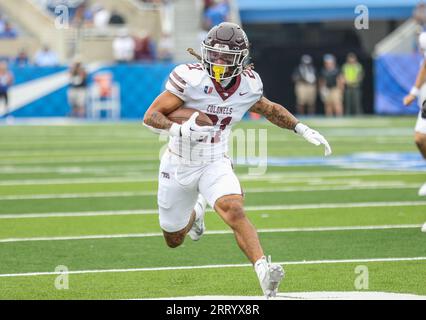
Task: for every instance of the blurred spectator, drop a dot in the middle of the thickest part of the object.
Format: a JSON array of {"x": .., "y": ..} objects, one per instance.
[
  {"x": 208, "y": 3},
  {"x": 353, "y": 74},
  {"x": 22, "y": 59},
  {"x": 8, "y": 31},
  {"x": 116, "y": 18},
  {"x": 165, "y": 48},
  {"x": 79, "y": 19},
  {"x": 144, "y": 48},
  {"x": 101, "y": 17},
  {"x": 78, "y": 89},
  {"x": 157, "y": 2},
  {"x": 419, "y": 13},
  {"x": 2, "y": 23},
  {"x": 124, "y": 47},
  {"x": 216, "y": 13},
  {"x": 46, "y": 57},
  {"x": 331, "y": 87},
  {"x": 6, "y": 80},
  {"x": 88, "y": 14},
  {"x": 304, "y": 77}
]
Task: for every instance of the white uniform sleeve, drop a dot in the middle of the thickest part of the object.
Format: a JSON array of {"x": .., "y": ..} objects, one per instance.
[
  {"x": 422, "y": 43},
  {"x": 177, "y": 83},
  {"x": 257, "y": 85}
]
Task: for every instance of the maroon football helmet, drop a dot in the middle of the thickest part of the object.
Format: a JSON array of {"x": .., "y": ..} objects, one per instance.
[{"x": 225, "y": 51}]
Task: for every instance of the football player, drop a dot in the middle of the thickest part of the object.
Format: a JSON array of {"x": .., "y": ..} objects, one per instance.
[
  {"x": 419, "y": 91},
  {"x": 195, "y": 169}
]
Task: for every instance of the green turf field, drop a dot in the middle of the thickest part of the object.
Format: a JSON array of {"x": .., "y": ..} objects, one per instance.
[{"x": 84, "y": 196}]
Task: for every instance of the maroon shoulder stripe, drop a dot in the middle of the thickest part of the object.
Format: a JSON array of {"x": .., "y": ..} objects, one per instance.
[
  {"x": 178, "y": 78},
  {"x": 175, "y": 85}
]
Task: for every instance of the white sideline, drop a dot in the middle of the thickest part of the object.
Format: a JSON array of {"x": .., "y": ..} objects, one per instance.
[
  {"x": 359, "y": 186},
  {"x": 214, "y": 232},
  {"x": 309, "y": 262},
  {"x": 315, "y": 295},
  {"x": 247, "y": 208}
]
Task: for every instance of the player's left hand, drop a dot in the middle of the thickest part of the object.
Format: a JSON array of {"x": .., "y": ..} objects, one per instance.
[
  {"x": 408, "y": 99},
  {"x": 313, "y": 137}
]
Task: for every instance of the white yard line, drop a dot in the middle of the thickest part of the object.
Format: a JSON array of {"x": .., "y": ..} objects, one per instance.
[
  {"x": 309, "y": 262},
  {"x": 247, "y": 208},
  {"x": 77, "y": 181},
  {"x": 273, "y": 177},
  {"x": 76, "y": 169},
  {"x": 359, "y": 186},
  {"x": 315, "y": 295},
  {"x": 214, "y": 232},
  {"x": 69, "y": 159},
  {"x": 78, "y": 214}
]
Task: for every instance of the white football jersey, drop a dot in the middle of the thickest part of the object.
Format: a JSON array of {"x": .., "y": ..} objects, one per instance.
[{"x": 192, "y": 84}]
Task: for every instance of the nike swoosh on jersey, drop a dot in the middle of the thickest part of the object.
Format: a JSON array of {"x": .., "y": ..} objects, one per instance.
[{"x": 243, "y": 94}]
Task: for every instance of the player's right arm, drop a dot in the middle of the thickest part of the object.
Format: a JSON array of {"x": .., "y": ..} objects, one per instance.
[
  {"x": 156, "y": 120},
  {"x": 173, "y": 98},
  {"x": 420, "y": 80},
  {"x": 155, "y": 117}
]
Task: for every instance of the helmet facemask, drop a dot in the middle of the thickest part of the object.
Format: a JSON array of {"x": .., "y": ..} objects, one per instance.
[{"x": 221, "y": 63}]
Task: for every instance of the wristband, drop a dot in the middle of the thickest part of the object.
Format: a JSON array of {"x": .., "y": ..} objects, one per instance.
[
  {"x": 414, "y": 91},
  {"x": 300, "y": 128},
  {"x": 175, "y": 130}
]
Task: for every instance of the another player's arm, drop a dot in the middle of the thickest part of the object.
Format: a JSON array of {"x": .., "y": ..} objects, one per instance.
[
  {"x": 275, "y": 113},
  {"x": 155, "y": 117},
  {"x": 282, "y": 118},
  {"x": 420, "y": 80}
]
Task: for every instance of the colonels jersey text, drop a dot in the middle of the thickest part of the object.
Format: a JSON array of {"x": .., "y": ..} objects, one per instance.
[{"x": 224, "y": 107}]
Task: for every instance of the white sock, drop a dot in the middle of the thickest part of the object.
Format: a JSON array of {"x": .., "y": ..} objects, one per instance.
[
  {"x": 199, "y": 207},
  {"x": 259, "y": 264}
]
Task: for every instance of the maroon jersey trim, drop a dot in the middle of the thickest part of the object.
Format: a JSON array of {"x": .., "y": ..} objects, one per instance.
[
  {"x": 226, "y": 93},
  {"x": 175, "y": 85},
  {"x": 178, "y": 78}
]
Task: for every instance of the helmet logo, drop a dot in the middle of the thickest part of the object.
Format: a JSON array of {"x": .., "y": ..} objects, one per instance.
[{"x": 221, "y": 46}]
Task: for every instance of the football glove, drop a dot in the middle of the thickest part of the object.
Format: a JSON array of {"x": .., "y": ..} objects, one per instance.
[
  {"x": 424, "y": 110},
  {"x": 191, "y": 130},
  {"x": 313, "y": 137}
]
